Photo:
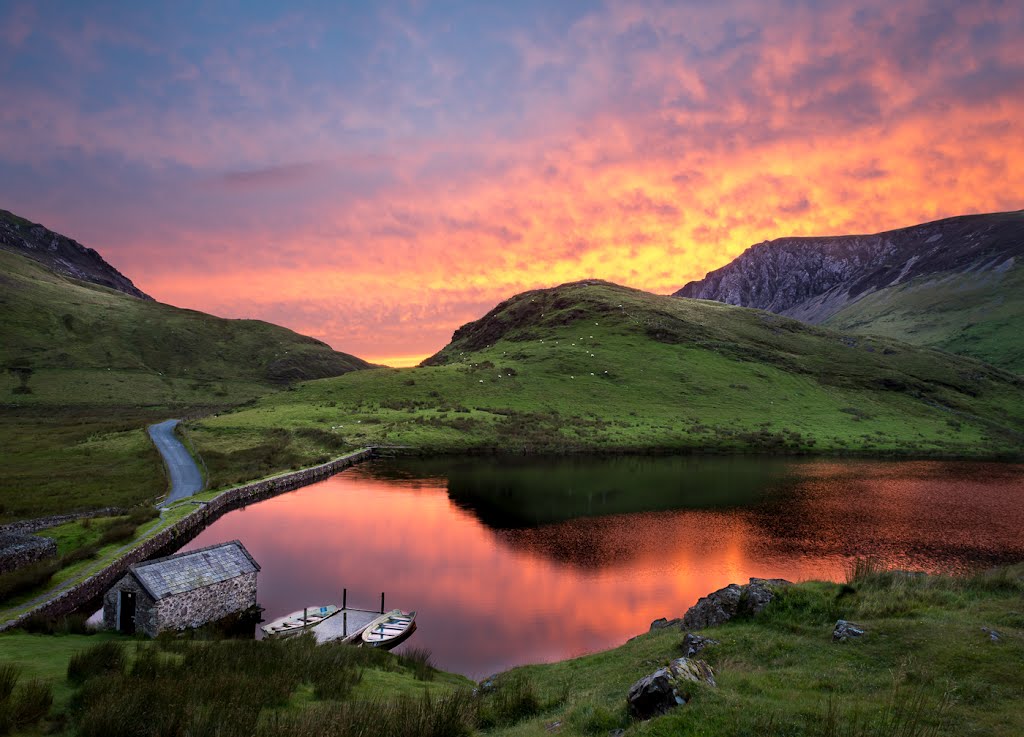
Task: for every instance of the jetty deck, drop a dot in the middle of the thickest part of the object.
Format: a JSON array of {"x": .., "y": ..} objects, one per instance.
[{"x": 348, "y": 624}]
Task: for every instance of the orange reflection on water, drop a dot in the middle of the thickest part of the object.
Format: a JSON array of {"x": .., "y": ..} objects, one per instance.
[{"x": 490, "y": 598}]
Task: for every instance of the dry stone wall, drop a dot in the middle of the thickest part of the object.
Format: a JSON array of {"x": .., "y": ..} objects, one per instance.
[
  {"x": 18, "y": 549},
  {"x": 181, "y": 532}
]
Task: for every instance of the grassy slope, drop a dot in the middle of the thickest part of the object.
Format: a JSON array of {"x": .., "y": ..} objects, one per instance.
[
  {"x": 975, "y": 314},
  {"x": 103, "y": 365},
  {"x": 778, "y": 673},
  {"x": 593, "y": 366}
]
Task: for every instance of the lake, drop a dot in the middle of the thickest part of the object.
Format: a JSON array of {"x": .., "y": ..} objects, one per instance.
[{"x": 513, "y": 561}]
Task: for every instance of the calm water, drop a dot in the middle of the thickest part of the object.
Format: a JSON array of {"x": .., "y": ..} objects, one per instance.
[{"x": 511, "y": 562}]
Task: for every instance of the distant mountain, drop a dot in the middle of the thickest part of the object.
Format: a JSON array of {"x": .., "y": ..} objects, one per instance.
[
  {"x": 61, "y": 254},
  {"x": 955, "y": 284}
]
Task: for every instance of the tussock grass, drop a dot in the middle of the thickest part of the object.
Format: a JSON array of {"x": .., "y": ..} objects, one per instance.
[
  {"x": 229, "y": 688},
  {"x": 24, "y": 704}
]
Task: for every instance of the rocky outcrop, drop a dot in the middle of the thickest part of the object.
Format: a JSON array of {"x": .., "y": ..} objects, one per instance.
[
  {"x": 668, "y": 687},
  {"x": 732, "y": 601},
  {"x": 61, "y": 255},
  {"x": 811, "y": 279},
  {"x": 845, "y": 631}
]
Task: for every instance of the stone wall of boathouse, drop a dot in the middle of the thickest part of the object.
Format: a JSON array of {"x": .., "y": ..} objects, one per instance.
[{"x": 206, "y": 604}]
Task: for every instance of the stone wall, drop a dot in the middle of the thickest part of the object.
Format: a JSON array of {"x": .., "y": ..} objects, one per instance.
[
  {"x": 42, "y": 523},
  {"x": 206, "y": 604},
  {"x": 18, "y": 549},
  {"x": 175, "y": 536}
]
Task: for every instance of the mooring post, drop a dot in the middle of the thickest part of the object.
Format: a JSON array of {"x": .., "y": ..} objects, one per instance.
[
  {"x": 305, "y": 615},
  {"x": 344, "y": 598},
  {"x": 381, "y": 602},
  {"x": 344, "y": 624}
]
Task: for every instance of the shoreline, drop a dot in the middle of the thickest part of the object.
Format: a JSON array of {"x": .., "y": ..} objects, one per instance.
[{"x": 67, "y": 598}]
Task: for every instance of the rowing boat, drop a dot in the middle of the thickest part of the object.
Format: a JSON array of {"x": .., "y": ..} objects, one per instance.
[
  {"x": 300, "y": 620},
  {"x": 389, "y": 629}
]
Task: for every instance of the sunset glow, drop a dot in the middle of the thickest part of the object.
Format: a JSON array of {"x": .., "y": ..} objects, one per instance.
[{"x": 376, "y": 178}]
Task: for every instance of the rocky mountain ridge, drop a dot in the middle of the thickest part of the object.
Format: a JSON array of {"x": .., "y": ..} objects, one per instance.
[
  {"x": 61, "y": 254},
  {"x": 813, "y": 278}
]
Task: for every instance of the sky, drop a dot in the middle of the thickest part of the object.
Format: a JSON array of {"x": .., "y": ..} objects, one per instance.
[{"x": 377, "y": 174}]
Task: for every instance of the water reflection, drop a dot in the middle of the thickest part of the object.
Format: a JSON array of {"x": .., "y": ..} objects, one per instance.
[{"x": 511, "y": 562}]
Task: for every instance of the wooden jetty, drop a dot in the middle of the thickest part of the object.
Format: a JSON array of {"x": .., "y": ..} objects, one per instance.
[{"x": 347, "y": 624}]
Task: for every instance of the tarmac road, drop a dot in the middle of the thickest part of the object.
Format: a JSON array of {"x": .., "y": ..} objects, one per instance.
[{"x": 186, "y": 479}]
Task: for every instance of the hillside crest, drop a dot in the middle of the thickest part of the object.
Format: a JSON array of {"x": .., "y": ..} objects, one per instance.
[{"x": 61, "y": 254}]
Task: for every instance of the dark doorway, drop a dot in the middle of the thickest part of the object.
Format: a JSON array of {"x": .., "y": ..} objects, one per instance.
[{"x": 126, "y": 619}]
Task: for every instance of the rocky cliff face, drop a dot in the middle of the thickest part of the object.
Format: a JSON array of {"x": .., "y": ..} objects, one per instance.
[
  {"x": 813, "y": 278},
  {"x": 61, "y": 254}
]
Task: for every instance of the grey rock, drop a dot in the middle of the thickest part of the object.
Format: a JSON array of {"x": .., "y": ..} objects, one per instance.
[
  {"x": 714, "y": 609},
  {"x": 845, "y": 631},
  {"x": 734, "y": 600},
  {"x": 663, "y": 623},
  {"x": 993, "y": 635},
  {"x": 693, "y": 644},
  {"x": 668, "y": 687}
]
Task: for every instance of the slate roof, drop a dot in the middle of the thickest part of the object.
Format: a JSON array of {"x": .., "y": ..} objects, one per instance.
[{"x": 176, "y": 574}]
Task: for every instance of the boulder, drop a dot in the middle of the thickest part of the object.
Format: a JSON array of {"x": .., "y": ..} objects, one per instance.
[
  {"x": 692, "y": 644},
  {"x": 845, "y": 631},
  {"x": 714, "y": 609},
  {"x": 662, "y": 623},
  {"x": 734, "y": 600},
  {"x": 668, "y": 687}
]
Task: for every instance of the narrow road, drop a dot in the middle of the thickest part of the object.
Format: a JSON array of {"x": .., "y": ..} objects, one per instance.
[{"x": 186, "y": 478}]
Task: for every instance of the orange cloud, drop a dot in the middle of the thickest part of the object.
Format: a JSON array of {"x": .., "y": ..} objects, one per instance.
[{"x": 647, "y": 144}]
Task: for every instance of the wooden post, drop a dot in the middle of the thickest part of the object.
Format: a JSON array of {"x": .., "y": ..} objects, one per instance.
[
  {"x": 344, "y": 598},
  {"x": 305, "y": 615},
  {"x": 344, "y": 624},
  {"x": 381, "y": 602}
]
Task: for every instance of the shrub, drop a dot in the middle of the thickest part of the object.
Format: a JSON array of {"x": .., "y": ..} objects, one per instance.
[
  {"x": 8, "y": 679},
  {"x": 78, "y": 554},
  {"x": 27, "y": 578},
  {"x": 510, "y": 698},
  {"x": 118, "y": 532},
  {"x": 31, "y": 702},
  {"x": 72, "y": 624},
  {"x": 104, "y": 658},
  {"x": 417, "y": 659}
]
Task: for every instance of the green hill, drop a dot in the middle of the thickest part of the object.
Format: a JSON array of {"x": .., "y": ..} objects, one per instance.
[
  {"x": 86, "y": 367},
  {"x": 592, "y": 366}
]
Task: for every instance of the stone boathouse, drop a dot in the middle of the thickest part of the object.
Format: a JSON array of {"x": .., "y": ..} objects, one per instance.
[{"x": 189, "y": 589}]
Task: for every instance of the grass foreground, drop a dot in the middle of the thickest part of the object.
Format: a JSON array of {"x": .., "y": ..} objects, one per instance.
[{"x": 928, "y": 665}]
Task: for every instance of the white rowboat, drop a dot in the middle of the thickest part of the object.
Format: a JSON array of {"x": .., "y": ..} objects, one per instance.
[
  {"x": 300, "y": 620},
  {"x": 389, "y": 629}
]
